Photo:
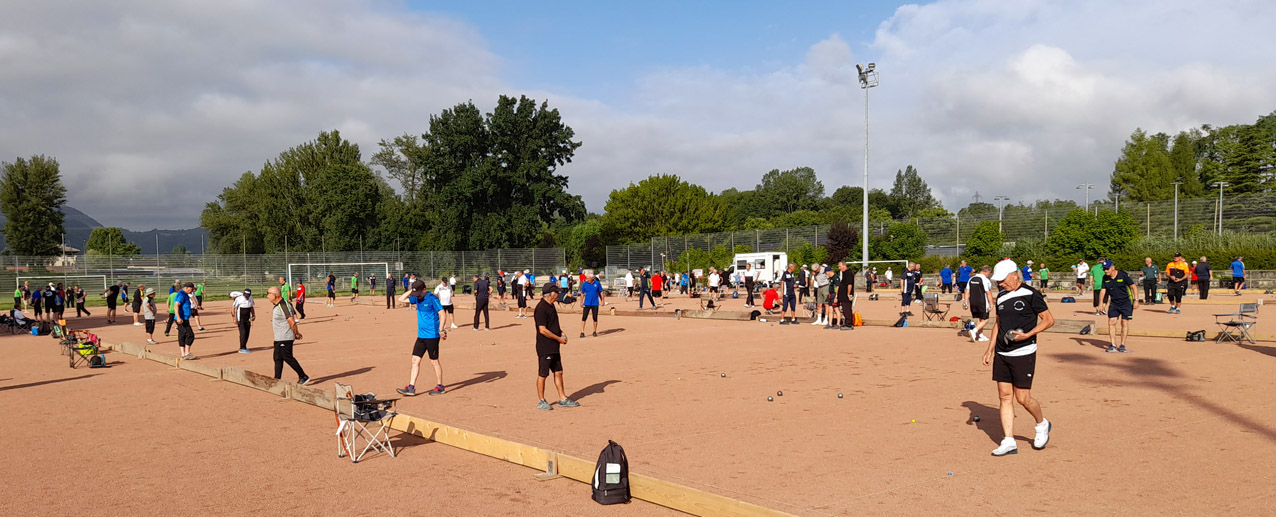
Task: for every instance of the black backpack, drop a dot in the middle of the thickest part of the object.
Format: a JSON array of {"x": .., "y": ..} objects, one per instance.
[
  {"x": 1196, "y": 336},
  {"x": 611, "y": 475},
  {"x": 46, "y": 328},
  {"x": 902, "y": 321},
  {"x": 1067, "y": 299}
]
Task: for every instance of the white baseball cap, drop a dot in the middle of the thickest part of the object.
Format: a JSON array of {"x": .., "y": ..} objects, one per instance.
[
  {"x": 1029, "y": 262},
  {"x": 1003, "y": 269}
]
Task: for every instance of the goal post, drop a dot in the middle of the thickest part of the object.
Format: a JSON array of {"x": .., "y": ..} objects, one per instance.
[
  {"x": 67, "y": 280},
  {"x": 309, "y": 271}
]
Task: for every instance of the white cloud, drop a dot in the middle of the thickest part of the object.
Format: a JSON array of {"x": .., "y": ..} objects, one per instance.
[{"x": 155, "y": 106}]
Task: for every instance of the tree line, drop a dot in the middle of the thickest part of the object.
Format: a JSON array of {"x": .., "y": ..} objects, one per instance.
[{"x": 1241, "y": 155}]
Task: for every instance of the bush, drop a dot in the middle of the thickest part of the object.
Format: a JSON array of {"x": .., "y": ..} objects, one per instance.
[{"x": 903, "y": 241}]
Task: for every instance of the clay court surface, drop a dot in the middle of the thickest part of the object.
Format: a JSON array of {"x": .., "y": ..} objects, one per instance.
[{"x": 1172, "y": 428}]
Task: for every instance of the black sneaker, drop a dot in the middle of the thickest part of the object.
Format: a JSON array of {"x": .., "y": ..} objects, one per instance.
[
  {"x": 304, "y": 381},
  {"x": 595, "y": 334},
  {"x": 438, "y": 390},
  {"x": 1111, "y": 348},
  {"x": 582, "y": 335},
  {"x": 407, "y": 392},
  {"x": 784, "y": 322},
  {"x": 1122, "y": 349}
]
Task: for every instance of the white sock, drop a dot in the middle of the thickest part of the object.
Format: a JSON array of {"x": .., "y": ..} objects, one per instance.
[{"x": 1044, "y": 423}]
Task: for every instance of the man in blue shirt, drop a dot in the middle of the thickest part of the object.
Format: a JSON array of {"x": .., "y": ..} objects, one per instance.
[
  {"x": 37, "y": 303},
  {"x": 946, "y": 279},
  {"x": 429, "y": 331},
  {"x": 185, "y": 334},
  {"x": 591, "y": 293},
  {"x": 964, "y": 272},
  {"x": 1238, "y": 274},
  {"x": 1027, "y": 273}
]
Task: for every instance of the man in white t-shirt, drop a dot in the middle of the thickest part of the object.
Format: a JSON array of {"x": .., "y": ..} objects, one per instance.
[
  {"x": 444, "y": 292},
  {"x": 451, "y": 282},
  {"x": 1083, "y": 270},
  {"x": 715, "y": 281},
  {"x": 244, "y": 312},
  {"x": 629, "y": 284},
  {"x": 521, "y": 294}
]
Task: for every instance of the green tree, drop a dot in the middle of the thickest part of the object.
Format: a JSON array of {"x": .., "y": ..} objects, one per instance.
[
  {"x": 110, "y": 241},
  {"x": 1084, "y": 235},
  {"x": 1183, "y": 161},
  {"x": 661, "y": 205},
  {"x": 843, "y": 241},
  {"x": 782, "y": 192},
  {"x": 911, "y": 193},
  {"x": 902, "y": 241},
  {"x": 1144, "y": 171},
  {"x": 180, "y": 250},
  {"x": 31, "y": 197},
  {"x": 985, "y": 241},
  {"x": 404, "y": 159}
]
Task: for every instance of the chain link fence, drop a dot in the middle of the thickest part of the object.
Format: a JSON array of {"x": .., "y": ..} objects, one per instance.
[
  {"x": 1254, "y": 213},
  {"x": 248, "y": 270}
]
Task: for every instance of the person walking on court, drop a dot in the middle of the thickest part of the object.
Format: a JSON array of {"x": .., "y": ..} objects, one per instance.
[
  {"x": 1238, "y": 274},
  {"x": 1177, "y": 274},
  {"x": 549, "y": 341},
  {"x": 124, "y": 296},
  {"x": 243, "y": 312},
  {"x": 1151, "y": 279},
  {"x": 1202, "y": 272},
  {"x": 788, "y": 302},
  {"x": 299, "y": 299},
  {"x": 482, "y": 293},
  {"x": 749, "y": 278},
  {"x": 354, "y": 287},
  {"x": 172, "y": 309},
  {"x": 285, "y": 288},
  {"x": 520, "y": 293},
  {"x": 629, "y": 284},
  {"x": 821, "y": 281},
  {"x": 184, "y": 304},
  {"x": 80, "y": 306},
  {"x": 1082, "y": 270},
  {"x": 591, "y": 294},
  {"x": 846, "y": 295},
  {"x": 390, "y": 284},
  {"x": 1021, "y": 315},
  {"x": 429, "y": 333},
  {"x": 137, "y": 305},
  {"x": 946, "y": 279},
  {"x": 981, "y": 302},
  {"x": 644, "y": 288},
  {"x": 148, "y": 313},
  {"x": 444, "y": 292},
  {"x": 1121, "y": 304},
  {"x": 286, "y": 334},
  {"x": 1096, "y": 285},
  {"x": 332, "y": 290}
]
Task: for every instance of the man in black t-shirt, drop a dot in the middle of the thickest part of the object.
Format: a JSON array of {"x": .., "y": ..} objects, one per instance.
[
  {"x": 845, "y": 293},
  {"x": 788, "y": 296},
  {"x": 980, "y": 302},
  {"x": 1119, "y": 289},
  {"x": 112, "y": 297},
  {"x": 1203, "y": 278},
  {"x": 907, "y": 283},
  {"x": 644, "y": 288},
  {"x": 549, "y": 337},
  {"x": 1021, "y": 315}
]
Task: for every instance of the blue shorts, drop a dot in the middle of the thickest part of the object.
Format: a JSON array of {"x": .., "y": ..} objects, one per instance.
[
  {"x": 789, "y": 303},
  {"x": 1123, "y": 310}
]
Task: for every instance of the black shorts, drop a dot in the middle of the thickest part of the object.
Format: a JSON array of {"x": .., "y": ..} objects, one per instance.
[
  {"x": 199, "y": 300},
  {"x": 1016, "y": 370},
  {"x": 1238, "y": 280},
  {"x": 1097, "y": 298},
  {"x": 354, "y": 290},
  {"x": 137, "y": 306},
  {"x": 979, "y": 314},
  {"x": 961, "y": 287},
  {"x": 331, "y": 293},
  {"x": 185, "y": 334},
  {"x": 905, "y": 299},
  {"x": 150, "y": 326},
  {"x": 522, "y": 301},
  {"x": 449, "y": 308},
  {"x": 713, "y": 289},
  {"x": 38, "y": 307},
  {"x": 788, "y": 303},
  {"x": 110, "y": 303},
  {"x": 549, "y": 363},
  {"x": 424, "y": 345},
  {"x": 656, "y": 293},
  {"x": 194, "y": 312},
  {"x": 1124, "y": 310},
  {"x": 586, "y": 310}
]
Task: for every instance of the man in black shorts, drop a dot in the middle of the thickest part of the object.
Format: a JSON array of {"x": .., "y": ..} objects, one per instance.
[
  {"x": 429, "y": 332},
  {"x": 907, "y": 283},
  {"x": 845, "y": 295},
  {"x": 981, "y": 302},
  {"x": 788, "y": 296},
  {"x": 1021, "y": 315},
  {"x": 549, "y": 337},
  {"x": 1119, "y": 290},
  {"x": 112, "y": 298}
]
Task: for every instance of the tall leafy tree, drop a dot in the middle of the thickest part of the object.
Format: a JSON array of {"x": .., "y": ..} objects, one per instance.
[
  {"x": 661, "y": 205},
  {"x": 843, "y": 243},
  {"x": 902, "y": 241},
  {"x": 1084, "y": 235},
  {"x": 1144, "y": 171},
  {"x": 110, "y": 241},
  {"x": 911, "y": 193},
  {"x": 1184, "y": 163},
  {"x": 404, "y": 159},
  {"x": 788, "y": 191},
  {"x": 31, "y": 197},
  {"x": 985, "y": 242}
]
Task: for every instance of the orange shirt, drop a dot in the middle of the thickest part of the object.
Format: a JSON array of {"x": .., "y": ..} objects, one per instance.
[{"x": 1181, "y": 266}]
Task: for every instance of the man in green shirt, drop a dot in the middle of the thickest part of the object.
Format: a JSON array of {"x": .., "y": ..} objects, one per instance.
[
  {"x": 354, "y": 287},
  {"x": 1151, "y": 278},
  {"x": 172, "y": 313},
  {"x": 199, "y": 305},
  {"x": 17, "y": 298},
  {"x": 1096, "y": 283},
  {"x": 1045, "y": 276}
]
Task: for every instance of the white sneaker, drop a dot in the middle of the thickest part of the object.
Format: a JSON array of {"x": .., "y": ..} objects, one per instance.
[
  {"x": 454, "y": 326},
  {"x": 136, "y": 324},
  {"x": 1008, "y": 446},
  {"x": 1043, "y": 435},
  {"x": 983, "y": 338},
  {"x": 819, "y": 320}
]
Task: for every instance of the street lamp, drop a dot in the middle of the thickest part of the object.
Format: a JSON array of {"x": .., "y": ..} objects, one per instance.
[
  {"x": 1176, "y": 207},
  {"x": 868, "y": 79},
  {"x": 1086, "y": 187},
  {"x": 1116, "y": 196},
  {"x": 1000, "y": 205},
  {"x": 1218, "y": 213}
]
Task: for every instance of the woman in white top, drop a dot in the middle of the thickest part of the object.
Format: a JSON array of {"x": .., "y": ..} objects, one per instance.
[{"x": 444, "y": 292}]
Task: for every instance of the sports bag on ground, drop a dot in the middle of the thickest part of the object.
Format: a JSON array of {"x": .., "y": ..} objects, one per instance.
[
  {"x": 1067, "y": 299},
  {"x": 1196, "y": 336},
  {"x": 611, "y": 475},
  {"x": 901, "y": 322}
]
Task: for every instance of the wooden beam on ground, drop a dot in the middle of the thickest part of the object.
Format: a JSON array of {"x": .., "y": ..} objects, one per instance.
[
  {"x": 254, "y": 380},
  {"x": 1181, "y": 334},
  {"x": 160, "y": 358},
  {"x": 202, "y": 369},
  {"x": 314, "y": 396}
]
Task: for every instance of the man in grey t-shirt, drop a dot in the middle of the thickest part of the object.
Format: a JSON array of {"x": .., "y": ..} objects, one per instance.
[{"x": 284, "y": 326}]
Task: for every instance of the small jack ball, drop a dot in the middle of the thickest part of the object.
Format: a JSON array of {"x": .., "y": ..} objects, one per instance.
[
  {"x": 839, "y": 395},
  {"x": 976, "y": 418},
  {"x": 724, "y": 375},
  {"x": 769, "y": 399}
]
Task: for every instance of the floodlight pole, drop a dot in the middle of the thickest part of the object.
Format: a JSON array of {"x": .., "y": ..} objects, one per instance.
[
  {"x": 1086, "y": 187},
  {"x": 1000, "y": 206},
  {"x": 1218, "y": 213},
  {"x": 868, "y": 79},
  {"x": 1176, "y": 209}
]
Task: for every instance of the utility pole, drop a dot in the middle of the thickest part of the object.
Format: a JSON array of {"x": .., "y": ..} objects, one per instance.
[
  {"x": 1000, "y": 205},
  {"x": 1086, "y": 187},
  {"x": 1176, "y": 207},
  {"x": 1218, "y": 213},
  {"x": 868, "y": 79}
]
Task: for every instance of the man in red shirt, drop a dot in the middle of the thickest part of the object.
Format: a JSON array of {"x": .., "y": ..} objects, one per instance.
[
  {"x": 299, "y": 302},
  {"x": 657, "y": 282},
  {"x": 769, "y": 297}
]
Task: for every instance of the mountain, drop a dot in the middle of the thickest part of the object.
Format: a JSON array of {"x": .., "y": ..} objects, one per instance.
[{"x": 79, "y": 226}]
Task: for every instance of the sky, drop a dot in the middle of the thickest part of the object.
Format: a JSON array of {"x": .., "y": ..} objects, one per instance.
[{"x": 152, "y": 107}]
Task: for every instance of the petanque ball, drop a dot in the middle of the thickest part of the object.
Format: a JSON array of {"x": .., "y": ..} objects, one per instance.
[
  {"x": 976, "y": 418},
  {"x": 769, "y": 399},
  {"x": 779, "y": 393},
  {"x": 724, "y": 375},
  {"x": 839, "y": 395}
]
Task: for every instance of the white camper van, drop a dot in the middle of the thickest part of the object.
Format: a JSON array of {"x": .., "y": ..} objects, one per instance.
[{"x": 767, "y": 266}]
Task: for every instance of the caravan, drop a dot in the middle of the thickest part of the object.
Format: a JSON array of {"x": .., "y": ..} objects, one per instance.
[{"x": 767, "y": 265}]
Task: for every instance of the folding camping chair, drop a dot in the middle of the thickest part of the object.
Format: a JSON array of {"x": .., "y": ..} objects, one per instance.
[
  {"x": 354, "y": 414},
  {"x": 1235, "y": 326},
  {"x": 84, "y": 352},
  {"x": 18, "y": 323},
  {"x": 933, "y": 310}
]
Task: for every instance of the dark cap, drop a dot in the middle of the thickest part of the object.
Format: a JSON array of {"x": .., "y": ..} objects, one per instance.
[
  {"x": 418, "y": 286},
  {"x": 1178, "y": 255},
  {"x": 248, "y": 292},
  {"x": 190, "y": 285},
  {"x": 549, "y": 288}
]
